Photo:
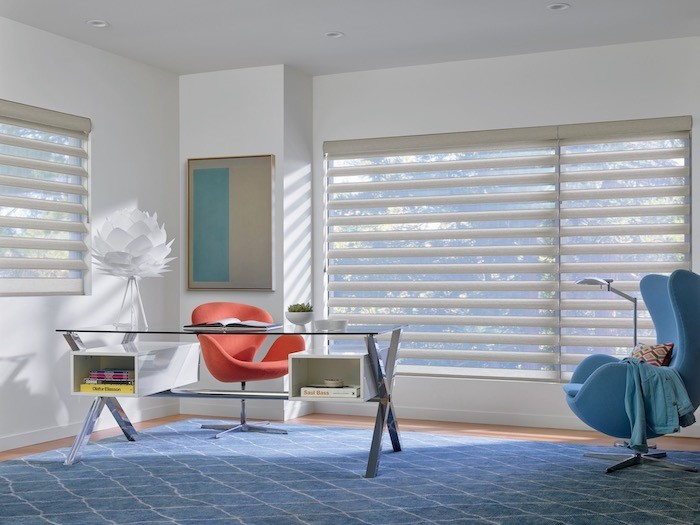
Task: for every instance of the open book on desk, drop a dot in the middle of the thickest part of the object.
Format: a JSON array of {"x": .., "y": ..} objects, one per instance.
[{"x": 232, "y": 324}]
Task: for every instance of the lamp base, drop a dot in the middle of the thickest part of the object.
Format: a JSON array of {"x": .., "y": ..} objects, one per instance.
[{"x": 136, "y": 315}]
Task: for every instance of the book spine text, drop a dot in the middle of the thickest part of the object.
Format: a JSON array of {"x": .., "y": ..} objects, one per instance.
[
  {"x": 107, "y": 388},
  {"x": 329, "y": 392}
]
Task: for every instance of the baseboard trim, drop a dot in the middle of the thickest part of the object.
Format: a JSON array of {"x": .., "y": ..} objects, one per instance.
[
  {"x": 105, "y": 421},
  {"x": 458, "y": 416},
  {"x": 231, "y": 409}
]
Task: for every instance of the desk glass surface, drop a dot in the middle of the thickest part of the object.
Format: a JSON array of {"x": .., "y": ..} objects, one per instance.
[{"x": 353, "y": 329}]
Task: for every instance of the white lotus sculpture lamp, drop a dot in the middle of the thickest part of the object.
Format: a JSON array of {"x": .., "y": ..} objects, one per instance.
[{"x": 131, "y": 245}]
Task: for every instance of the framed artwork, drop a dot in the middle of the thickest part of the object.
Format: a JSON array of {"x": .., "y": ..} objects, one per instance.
[{"x": 229, "y": 223}]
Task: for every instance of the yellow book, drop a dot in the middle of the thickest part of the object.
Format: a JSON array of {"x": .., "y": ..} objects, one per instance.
[{"x": 106, "y": 389}]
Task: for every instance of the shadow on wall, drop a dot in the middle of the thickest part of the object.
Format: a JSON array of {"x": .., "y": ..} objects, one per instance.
[
  {"x": 15, "y": 389},
  {"x": 35, "y": 385}
]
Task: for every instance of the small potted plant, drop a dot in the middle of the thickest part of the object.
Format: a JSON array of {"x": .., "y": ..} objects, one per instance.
[{"x": 300, "y": 314}]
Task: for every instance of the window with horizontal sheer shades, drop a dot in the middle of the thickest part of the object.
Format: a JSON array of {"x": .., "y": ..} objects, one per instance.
[
  {"x": 475, "y": 240},
  {"x": 43, "y": 201}
]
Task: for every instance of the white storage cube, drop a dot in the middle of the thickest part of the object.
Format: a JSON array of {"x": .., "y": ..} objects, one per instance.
[
  {"x": 309, "y": 369},
  {"x": 157, "y": 366}
]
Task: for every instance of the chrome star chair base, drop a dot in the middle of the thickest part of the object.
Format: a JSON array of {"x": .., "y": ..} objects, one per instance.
[
  {"x": 638, "y": 458},
  {"x": 243, "y": 425}
]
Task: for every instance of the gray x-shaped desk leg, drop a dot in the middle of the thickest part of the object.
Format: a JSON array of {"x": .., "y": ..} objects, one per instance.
[
  {"x": 89, "y": 424},
  {"x": 383, "y": 371}
]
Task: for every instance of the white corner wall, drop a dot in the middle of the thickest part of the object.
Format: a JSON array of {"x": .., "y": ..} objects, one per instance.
[
  {"x": 228, "y": 114},
  {"x": 651, "y": 79},
  {"x": 134, "y": 163},
  {"x": 297, "y": 253},
  {"x": 255, "y": 111},
  {"x": 297, "y": 182}
]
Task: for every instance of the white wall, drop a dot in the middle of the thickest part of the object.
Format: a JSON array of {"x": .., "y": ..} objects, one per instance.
[
  {"x": 228, "y": 114},
  {"x": 652, "y": 79},
  {"x": 255, "y": 111},
  {"x": 298, "y": 147},
  {"x": 134, "y": 112},
  {"x": 298, "y": 102}
]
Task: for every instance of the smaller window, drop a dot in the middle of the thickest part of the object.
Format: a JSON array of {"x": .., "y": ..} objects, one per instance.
[{"x": 43, "y": 201}]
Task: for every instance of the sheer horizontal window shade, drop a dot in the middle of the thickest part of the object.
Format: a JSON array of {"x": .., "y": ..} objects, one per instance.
[
  {"x": 430, "y": 239},
  {"x": 474, "y": 240},
  {"x": 633, "y": 191},
  {"x": 43, "y": 201}
]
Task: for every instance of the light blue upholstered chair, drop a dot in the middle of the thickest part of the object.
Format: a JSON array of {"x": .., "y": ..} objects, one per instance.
[{"x": 596, "y": 393}]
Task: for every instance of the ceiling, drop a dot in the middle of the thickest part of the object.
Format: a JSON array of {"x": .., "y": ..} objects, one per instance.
[{"x": 193, "y": 36}]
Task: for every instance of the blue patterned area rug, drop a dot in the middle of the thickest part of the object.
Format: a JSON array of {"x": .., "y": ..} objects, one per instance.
[{"x": 179, "y": 474}]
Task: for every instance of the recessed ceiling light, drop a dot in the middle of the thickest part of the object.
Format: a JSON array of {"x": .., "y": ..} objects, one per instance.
[
  {"x": 100, "y": 24},
  {"x": 335, "y": 34},
  {"x": 558, "y": 6}
]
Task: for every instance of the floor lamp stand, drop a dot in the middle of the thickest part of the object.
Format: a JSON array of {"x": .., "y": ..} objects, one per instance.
[{"x": 607, "y": 284}]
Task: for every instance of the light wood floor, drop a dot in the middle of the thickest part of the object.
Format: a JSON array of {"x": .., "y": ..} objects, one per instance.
[{"x": 465, "y": 429}]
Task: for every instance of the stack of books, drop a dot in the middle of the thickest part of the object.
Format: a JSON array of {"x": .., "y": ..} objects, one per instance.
[
  {"x": 109, "y": 381},
  {"x": 326, "y": 392}
]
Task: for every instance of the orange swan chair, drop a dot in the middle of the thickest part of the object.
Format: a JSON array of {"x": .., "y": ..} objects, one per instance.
[{"x": 229, "y": 358}]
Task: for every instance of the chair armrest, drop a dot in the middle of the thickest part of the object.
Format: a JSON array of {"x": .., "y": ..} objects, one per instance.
[
  {"x": 590, "y": 365},
  {"x": 608, "y": 381},
  {"x": 283, "y": 346},
  {"x": 600, "y": 403}
]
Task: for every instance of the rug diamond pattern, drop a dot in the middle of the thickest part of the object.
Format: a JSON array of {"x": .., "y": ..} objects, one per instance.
[{"x": 178, "y": 474}]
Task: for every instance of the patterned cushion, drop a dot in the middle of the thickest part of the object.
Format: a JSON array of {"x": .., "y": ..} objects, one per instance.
[{"x": 655, "y": 355}]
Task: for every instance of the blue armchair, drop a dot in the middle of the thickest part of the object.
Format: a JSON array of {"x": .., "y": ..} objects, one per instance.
[{"x": 596, "y": 393}]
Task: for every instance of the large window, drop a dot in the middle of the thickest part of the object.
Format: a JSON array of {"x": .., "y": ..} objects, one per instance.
[
  {"x": 43, "y": 201},
  {"x": 475, "y": 240}
]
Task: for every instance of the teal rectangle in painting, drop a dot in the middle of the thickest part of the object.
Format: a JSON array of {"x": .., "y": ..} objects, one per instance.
[{"x": 210, "y": 225}]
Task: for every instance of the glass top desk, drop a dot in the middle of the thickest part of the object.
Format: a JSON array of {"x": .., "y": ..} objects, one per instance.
[{"x": 168, "y": 383}]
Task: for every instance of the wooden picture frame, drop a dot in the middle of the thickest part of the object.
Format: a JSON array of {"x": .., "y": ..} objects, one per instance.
[{"x": 230, "y": 217}]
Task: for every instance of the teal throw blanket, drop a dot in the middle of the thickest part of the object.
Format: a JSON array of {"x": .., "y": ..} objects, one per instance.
[{"x": 656, "y": 399}]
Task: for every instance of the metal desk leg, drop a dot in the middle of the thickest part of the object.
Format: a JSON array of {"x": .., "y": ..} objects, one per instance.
[
  {"x": 84, "y": 435},
  {"x": 89, "y": 424},
  {"x": 393, "y": 427},
  {"x": 375, "y": 450},
  {"x": 383, "y": 372},
  {"x": 73, "y": 339},
  {"x": 392, "y": 424},
  {"x": 120, "y": 416},
  {"x": 129, "y": 337}
]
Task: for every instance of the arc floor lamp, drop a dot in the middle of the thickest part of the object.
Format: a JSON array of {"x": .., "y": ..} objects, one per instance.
[{"x": 607, "y": 284}]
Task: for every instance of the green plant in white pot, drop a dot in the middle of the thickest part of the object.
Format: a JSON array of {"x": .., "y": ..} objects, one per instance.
[{"x": 300, "y": 314}]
